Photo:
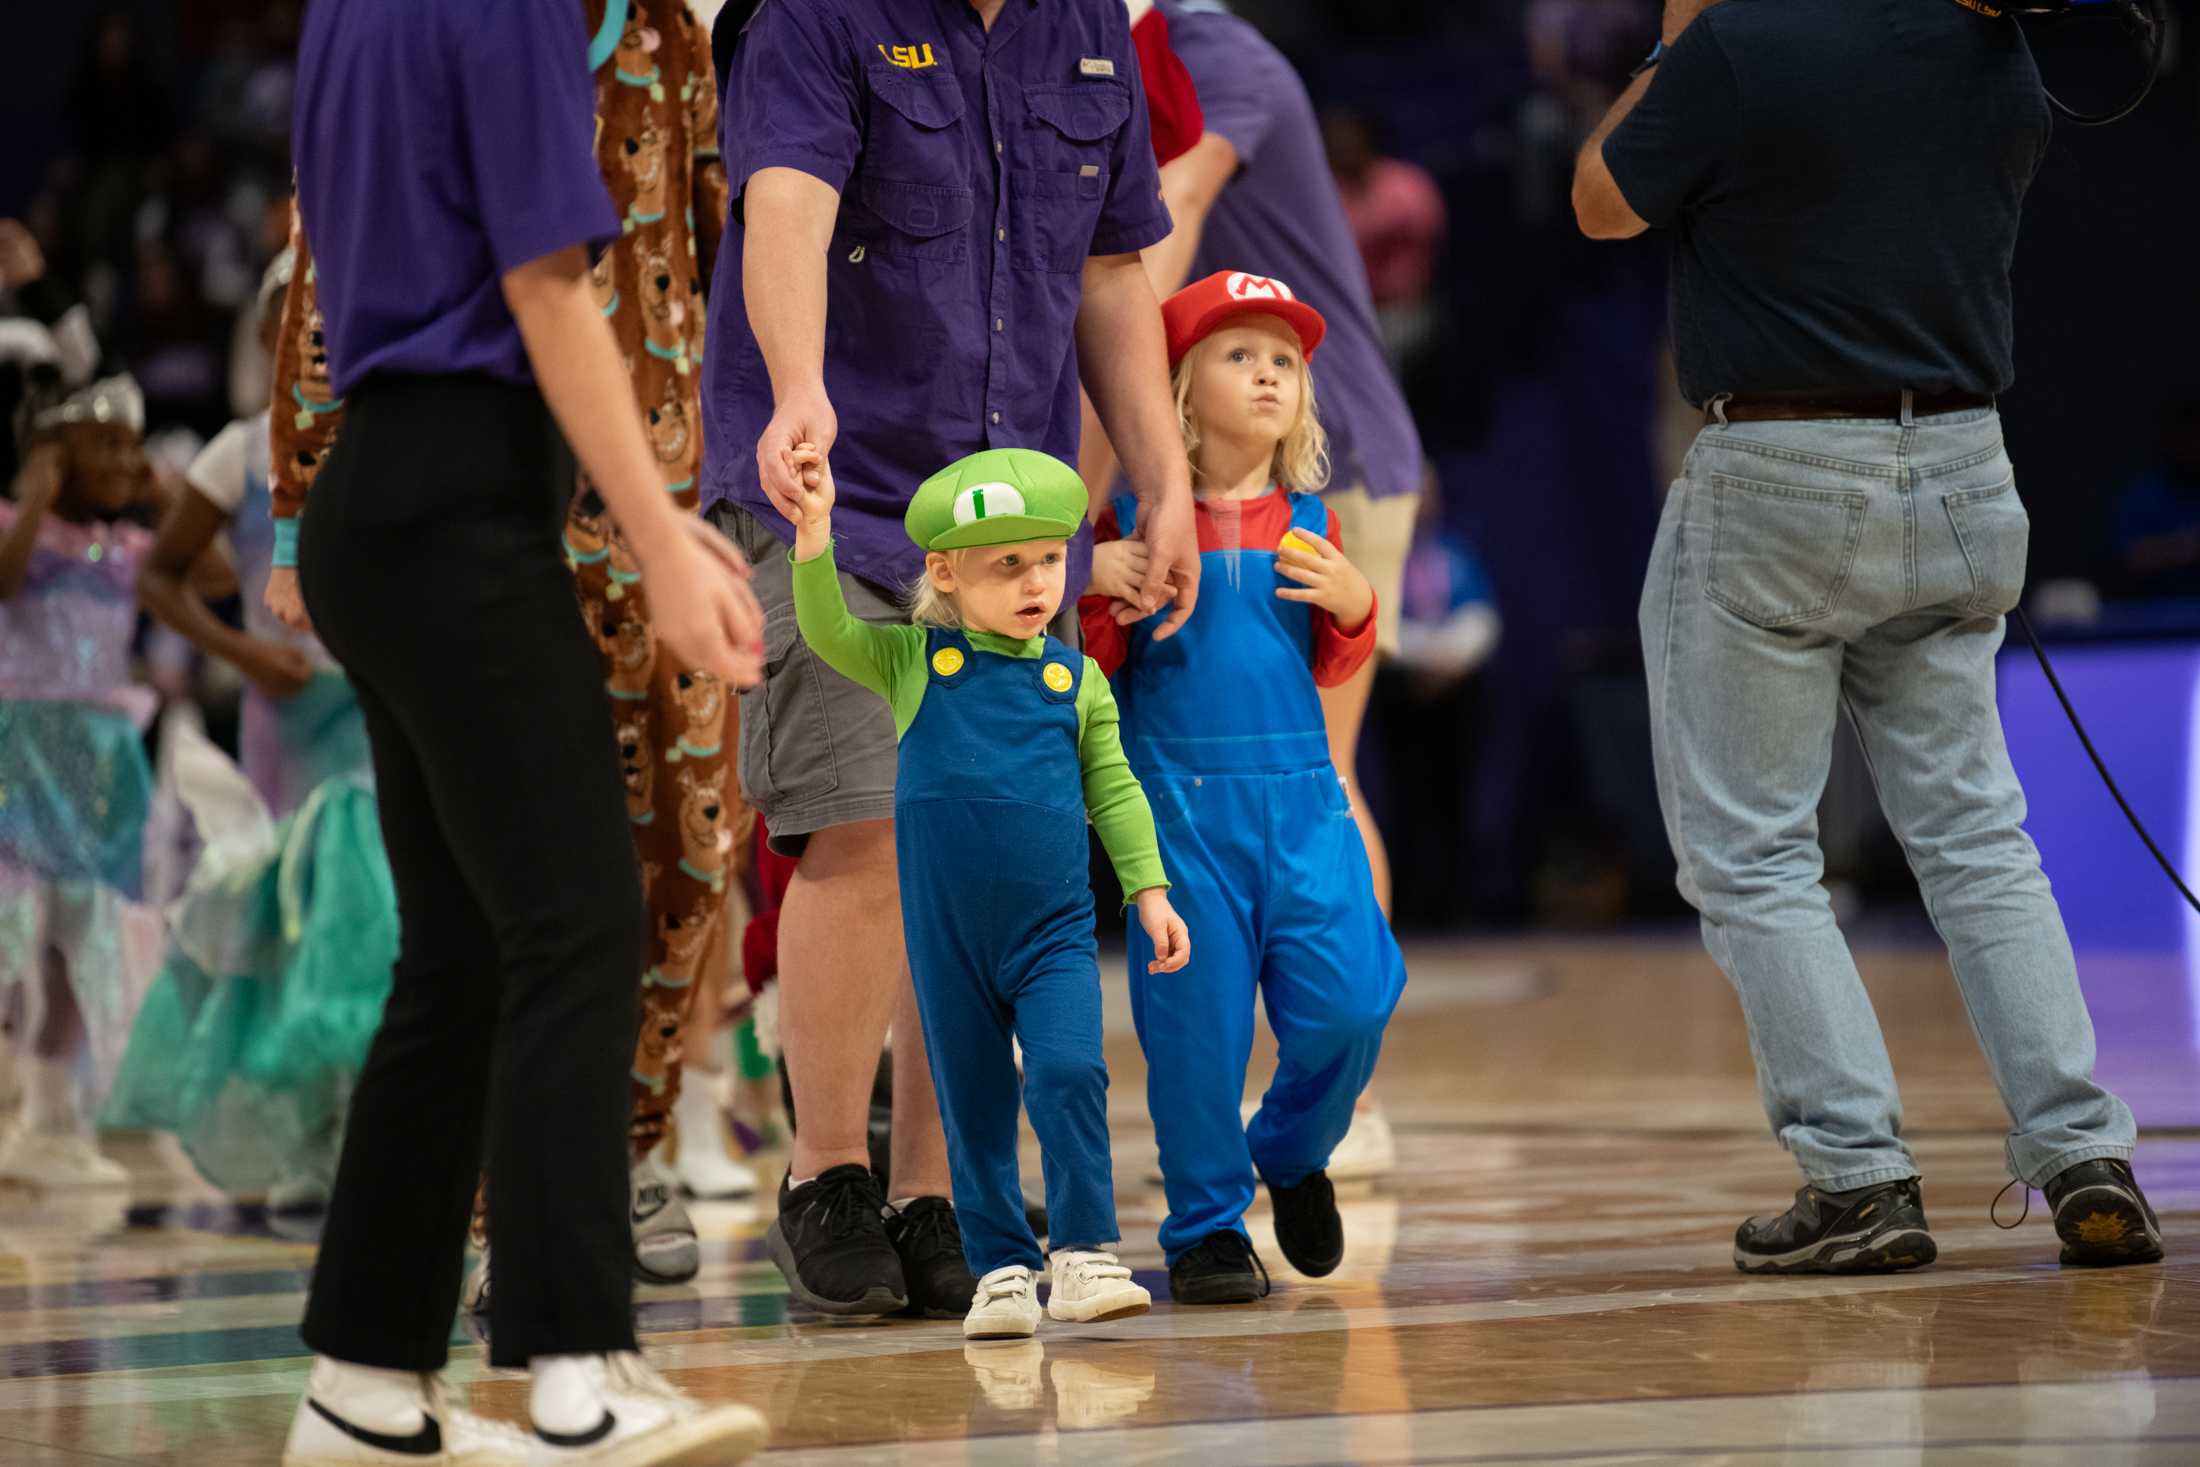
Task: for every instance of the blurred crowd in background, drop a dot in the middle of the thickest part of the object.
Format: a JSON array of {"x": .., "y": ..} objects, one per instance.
[{"x": 147, "y": 152}]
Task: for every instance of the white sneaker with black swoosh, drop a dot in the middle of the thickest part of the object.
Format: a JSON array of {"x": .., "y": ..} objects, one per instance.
[
  {"x": 666, "y": 1250},
  {"x": 614, "y": 1411},
  {"x": 358, "y": 1416}
]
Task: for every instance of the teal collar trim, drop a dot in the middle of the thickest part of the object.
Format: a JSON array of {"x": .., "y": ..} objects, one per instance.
[
  {"x": 605, "y": 42},
  {"x": 655, "y": 74},
  {"x": 298, "y": 396}
]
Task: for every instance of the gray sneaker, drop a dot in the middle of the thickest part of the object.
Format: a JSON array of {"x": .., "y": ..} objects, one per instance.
[{"x": 666, "y": 1250}]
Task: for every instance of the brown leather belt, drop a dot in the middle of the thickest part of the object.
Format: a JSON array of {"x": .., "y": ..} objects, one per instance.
[{"x": 1785, "y": 407}]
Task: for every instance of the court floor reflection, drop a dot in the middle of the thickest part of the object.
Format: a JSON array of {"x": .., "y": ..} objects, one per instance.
[{"x": 1545, "y": 1278}]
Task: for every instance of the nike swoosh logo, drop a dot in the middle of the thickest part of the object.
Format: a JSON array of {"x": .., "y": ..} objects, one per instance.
[
  {"x": 587, "y": 1438},
  {"x": 426, "y": 1442}
]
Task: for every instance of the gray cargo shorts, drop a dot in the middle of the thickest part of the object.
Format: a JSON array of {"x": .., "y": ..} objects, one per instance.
[{"x": 816, "y": 749}]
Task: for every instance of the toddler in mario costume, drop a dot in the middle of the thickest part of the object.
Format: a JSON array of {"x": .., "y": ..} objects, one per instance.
[
  {"x": 1224, "y": 728},
  {"x": 1008, "y": 746}
]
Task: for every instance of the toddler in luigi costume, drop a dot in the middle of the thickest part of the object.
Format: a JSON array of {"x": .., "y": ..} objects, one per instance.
[{"x": 1009, "y": 745}]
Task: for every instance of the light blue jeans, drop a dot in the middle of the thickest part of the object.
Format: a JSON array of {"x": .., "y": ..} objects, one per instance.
[{"x": 1805, "y": 567}]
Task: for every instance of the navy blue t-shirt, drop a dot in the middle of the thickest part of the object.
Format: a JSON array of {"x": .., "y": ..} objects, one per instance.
[
  {"x": 1842, "y": 180},
  {"x": 439, "y": 145}
]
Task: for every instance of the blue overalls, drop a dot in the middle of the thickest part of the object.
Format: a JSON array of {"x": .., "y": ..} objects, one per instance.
[
  {"x": 1223, "y": 727},
  {"x": 996, "y": 903}
]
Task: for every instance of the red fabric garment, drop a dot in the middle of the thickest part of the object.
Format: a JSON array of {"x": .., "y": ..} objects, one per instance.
[
  {"x": 1172, "y": 102},
  {"x": 760, "y": 939},
  {"x": 1247, "y": 524}
]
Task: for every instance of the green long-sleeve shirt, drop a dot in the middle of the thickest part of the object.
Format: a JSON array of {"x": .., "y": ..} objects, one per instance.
[{"x": 889, "y": 660}]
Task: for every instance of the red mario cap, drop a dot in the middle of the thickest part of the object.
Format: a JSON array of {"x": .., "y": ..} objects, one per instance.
[{"x": 1194, "y": 312}]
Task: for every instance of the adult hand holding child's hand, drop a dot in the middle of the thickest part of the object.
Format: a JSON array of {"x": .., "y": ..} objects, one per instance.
[
  {"x": 1119, "y": 573},
  {"x": 809, "y": 505}
]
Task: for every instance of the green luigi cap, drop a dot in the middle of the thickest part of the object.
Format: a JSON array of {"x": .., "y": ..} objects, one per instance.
[{"x": 997, "y": 497}]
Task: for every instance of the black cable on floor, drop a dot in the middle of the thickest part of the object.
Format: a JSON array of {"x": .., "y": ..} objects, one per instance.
[{"x": 2100, "y": 764}]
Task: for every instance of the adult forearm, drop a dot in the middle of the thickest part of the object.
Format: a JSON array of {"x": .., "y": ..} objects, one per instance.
[
  {"x": 789, "y": 222},
  {"x": 1614, "y": 115},
  {"x": 1124, "y": 361},
  {"x": 577, "y": 366}
]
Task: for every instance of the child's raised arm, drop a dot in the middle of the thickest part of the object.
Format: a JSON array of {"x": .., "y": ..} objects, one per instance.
[
  {"x": 37, "y": 486},
  {"x": 889, "y": 660}
]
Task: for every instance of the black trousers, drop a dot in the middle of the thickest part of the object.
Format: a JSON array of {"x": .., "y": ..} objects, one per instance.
[{"x": 430, "y": 558}]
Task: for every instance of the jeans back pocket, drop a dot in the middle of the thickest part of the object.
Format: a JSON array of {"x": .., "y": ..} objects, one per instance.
[
  {"x": 1780, "y": 556},
  {"x": 1995, "y": 534}
]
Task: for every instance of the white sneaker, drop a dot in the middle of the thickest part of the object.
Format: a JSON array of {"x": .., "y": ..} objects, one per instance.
[
  {"x": 1367, "y": 1150},
  {"x": 1089, "y": 1286},
  {"x": 614, "y": 1411},
  {"x": 354, "y": 1415},
  {"x": 58, "y": 1163},
  {"x": 702, "y": 1157},
  {"x": 666, "y": 1250},
  {"x": 473, "y": 1289},
  {"x": 1006, "y": 1306},
  {"x": 1008, "y": 1372}
]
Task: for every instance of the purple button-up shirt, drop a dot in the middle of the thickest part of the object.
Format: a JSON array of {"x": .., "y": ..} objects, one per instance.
[
  {"x": 1281, "y": 216},
  {"x": 978, "y": 170},
  {"x": 438, "y": 146}
]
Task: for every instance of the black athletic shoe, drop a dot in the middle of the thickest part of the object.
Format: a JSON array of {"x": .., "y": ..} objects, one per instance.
[
  {"x": 930, "y": 1243},
  {"x": 1308, "y": 1229},
  {"x": 1221, "y": 1268},
  {"x": 2101, "y": 1215},
  {"x": 1875, "y": 1230},
  {"x": 831, "y": 1245}
]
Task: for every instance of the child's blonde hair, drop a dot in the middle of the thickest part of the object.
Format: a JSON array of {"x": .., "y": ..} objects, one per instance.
[
  {"x": 1302, "y": 455},
  {"x": 929, "y": 606}
]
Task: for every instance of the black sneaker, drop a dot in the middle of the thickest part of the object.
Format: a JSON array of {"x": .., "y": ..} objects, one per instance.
[
  {"x": 929, "y": 1242},
  {"x": 1875, "y": 1230},
  {"x": 1308, "y": 1229},
  {"x": 2101, "y": 1215},
  {"x": 1221, "y": 1268},
  {"x": 831, "y": 1245}
]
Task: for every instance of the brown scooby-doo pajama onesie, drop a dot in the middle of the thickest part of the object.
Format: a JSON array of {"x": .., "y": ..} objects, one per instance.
[{"x": 657, "y": 142}]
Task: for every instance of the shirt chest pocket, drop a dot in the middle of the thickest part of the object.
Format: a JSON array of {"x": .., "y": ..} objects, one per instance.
[
  {"x": 1062, "y": 176},
  {"x": 911, "y": 195}
]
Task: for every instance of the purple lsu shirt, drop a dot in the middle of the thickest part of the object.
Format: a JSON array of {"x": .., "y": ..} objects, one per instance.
[
  {"x": 1281, "y": 216},
  {"x": 438, "y": 146},
  {"x": 977, "y": 171}
]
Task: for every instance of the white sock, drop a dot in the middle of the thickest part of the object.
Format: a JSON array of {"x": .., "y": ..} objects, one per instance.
[
  {"x": 794, "y": 1182},
  {"x": 701, "y": 1126},
  {"x": 49, "y": 1097},
  {"x": 901, "y": 1204},
  {"x": 567, "y": 1396},
  {"x": 366, "y": 1395}
]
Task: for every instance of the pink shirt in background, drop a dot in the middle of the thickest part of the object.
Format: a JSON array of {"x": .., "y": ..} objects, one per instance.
[{"x": 1398, "y": 222}]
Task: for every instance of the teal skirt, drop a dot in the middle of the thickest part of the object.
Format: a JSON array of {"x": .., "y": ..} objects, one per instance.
[
  {"x": 250, "y": 1040},
  {"x": 75, "y": 790}
]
